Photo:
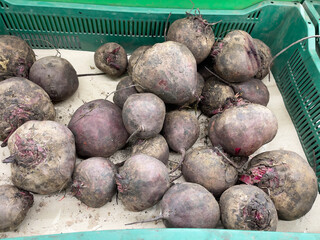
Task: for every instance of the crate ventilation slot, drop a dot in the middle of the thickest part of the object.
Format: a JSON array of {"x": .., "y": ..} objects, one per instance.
[
  {"x": 51, "y": 41},
  {"x": 221, "y": 29},
  {"x": 81, "y": 25},
  {"x": 254, "y": 15},
  {"x": 3, "y": 5},
  {"x": 295, "y": 82}
]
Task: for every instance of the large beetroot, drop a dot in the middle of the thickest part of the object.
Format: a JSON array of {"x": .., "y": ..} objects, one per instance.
[
  {"x": 188, "y": 205},
  {"x": 142, "y": 181},
  {"x": 208, "y": 168},
  {"x": 43, "y": 156},
  {"x": 247, "y": 207},
  {"x": 98, "y": 129},
  {"x": 236, "y": 57},
  {"x": 243, "y": 129},
  {"x": 195, "y": 33},
  {"x": 287, "y": 178},
  {"x": 168, "y": 70}
]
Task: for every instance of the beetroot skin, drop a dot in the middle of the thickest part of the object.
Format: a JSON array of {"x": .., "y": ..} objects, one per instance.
[
  {"x": 94, "y": 181},
  {"x": 98, "y": 129},
  {"x": 142, "y": 181}
]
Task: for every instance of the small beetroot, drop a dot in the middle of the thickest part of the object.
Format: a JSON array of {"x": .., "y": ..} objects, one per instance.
[
  {"x": 142, "y": 181},
  {"x": 94, "y": 181},
  {"x": 143, "y": 115}
]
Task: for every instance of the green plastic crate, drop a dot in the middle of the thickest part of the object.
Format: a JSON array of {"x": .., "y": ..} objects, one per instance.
[
  {"x": 202, "y": 4},
  {"x": 313, "y": 10},
  {"x": 87, "y": 26}
]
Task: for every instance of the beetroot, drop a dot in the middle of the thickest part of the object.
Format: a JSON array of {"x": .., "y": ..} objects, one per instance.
[
  {"x": 208, "y": 168},
  {"x": 98, "y": 129},
  {"x": 43, "y": 156},
  {"x": 16, "y": 57},
  {"x": 236, "y": 57},
  {"x": 247, "y": 207},
  {"x": 181, "y": 130},
  {"x": 56, "y": 76},
  {"x": 94, "y": 181},
  {"x": 265, "y": 55},
  {"x": 14, "y": 206},
  {"x": 124, "y": 89},
  {"x": 195, "y": 33},
  {"x": 156, "y": 147},
  {"x": 287, "y": 178},
  {"x": 254, "y": 90},
  {"x": 111, "y": 58},
  {"x": 143, "y": 115},
  {"x": 214, "y": 95},
  {"x": 188, "y": 205},
  {"x": 243, "y": 129},
  {"x": 20, "y": 101},
  {"x": 168, "y": 70},
  {"x": 142, "y": 181}
]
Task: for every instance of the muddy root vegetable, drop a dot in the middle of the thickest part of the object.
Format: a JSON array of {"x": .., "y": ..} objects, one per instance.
[
  {"x": 188, "y": 205},
  {"x": 98, "y": 129},
  {"x": 247, "y": 207},
  {"x": 56, "y": 76},
  {"x": 214, "y": 95},
  {"x": 265, "y": 55},
  {"x": 94, "y": 181},
  {"x": 254, "y": 90},
  {"x": 16, "y": 57},
  {"x": 243, "y": 129},
  {"x": 143, "y": 115},
  {"x": 236, "y": 57},
  {"x": 181, "y": 130},
  {"x": 20, "y": 101},
  {"x": 208, "y": 168},
  {"x": 142, "y": 181},
  {"x": 195, "y": 33},
  {"x": 168, "y": 70},
  {"x": 124, "y": 89},
  {"x": 43, "y": 156},
  {"x": 156, "y": 147},
  {"x": 111, "y": 58},
  {"x": 287, "y": 178},
  {"x": 14, "y": 206}
]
